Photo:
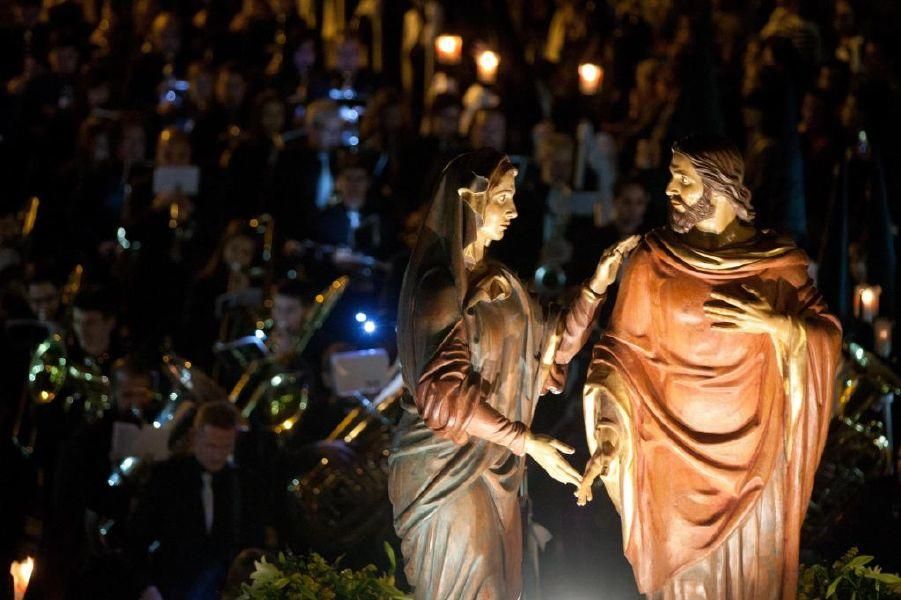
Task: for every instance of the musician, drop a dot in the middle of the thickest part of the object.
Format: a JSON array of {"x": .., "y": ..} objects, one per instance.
[
  {"x": 196, "y": 513},
  {"x": 95, "y": 322},
  {"x": 254, "y": 161},
  {"x": 356, "y": 222},
  {"x": 44, "y": 298},
  {"x": 226, "y": 273},
  {"x": 81, "y": 497},
  {"x": 93, "y": 346},
  {"x": 162, "y": 228},
  {"x": 304, "y": 183},
  {"x": 290, "y": 309}
]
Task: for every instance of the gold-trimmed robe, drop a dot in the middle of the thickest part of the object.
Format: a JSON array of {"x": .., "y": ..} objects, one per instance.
[{"x": 720, "y": 432}]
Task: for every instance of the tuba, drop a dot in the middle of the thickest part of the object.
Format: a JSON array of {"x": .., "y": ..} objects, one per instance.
[{"x": 340, "y": 503}]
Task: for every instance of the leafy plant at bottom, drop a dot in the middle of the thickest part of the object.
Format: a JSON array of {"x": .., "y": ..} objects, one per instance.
[{"x": 849, "y": 578}]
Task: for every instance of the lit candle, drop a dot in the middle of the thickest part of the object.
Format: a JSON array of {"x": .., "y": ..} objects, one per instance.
[
  {"x": 866, "y": 302},
  {"x": 882, "y": 332},
  {"x": 449, "y": 49},
  {"x": 487, "y": 63},
  {"x": 590, "y": 78},
  {"x": 21, "y": 572}
]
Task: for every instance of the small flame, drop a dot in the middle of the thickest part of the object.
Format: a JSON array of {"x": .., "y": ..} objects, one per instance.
[
  {"x": 449, "y": 48},
  {"x": 487, "y": 63},
  {"x": 590, "y": 78},
  {"x": 488, "y": 60},
  {"x": 21, "y": 572}
]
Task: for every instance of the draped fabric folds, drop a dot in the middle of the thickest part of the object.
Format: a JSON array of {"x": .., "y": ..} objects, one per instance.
[
  {"x": 721, "y": 431},
  {"x": 471, "y": 345}
]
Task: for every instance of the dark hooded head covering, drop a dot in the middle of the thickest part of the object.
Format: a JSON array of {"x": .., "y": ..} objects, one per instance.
[{"x": 427, "y": 312}]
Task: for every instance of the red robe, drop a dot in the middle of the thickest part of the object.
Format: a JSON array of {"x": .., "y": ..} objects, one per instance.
[{"x": 706, "y": 417}]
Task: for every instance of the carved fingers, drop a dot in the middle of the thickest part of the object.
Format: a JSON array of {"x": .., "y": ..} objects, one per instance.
[
  {"x": 547, "y": 452},
  {"x": 610, "y": 262},
  {"x": 731, "y": 313},
  {"x": 597, "y": 466}
]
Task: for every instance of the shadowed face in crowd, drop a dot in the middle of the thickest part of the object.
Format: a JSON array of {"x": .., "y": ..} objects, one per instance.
[
  {"x": 325, "y": 132},
  {"x": 489, "y": 130},
  {"x": 631, "y": 204},
  {"x": 173, "y": 150},
  {"x": 133, "y": 391},
  {"x": 93, "y": 329},
  {"x": 272, "y": 118},
  {"x": 353, "y": 185},
  {"x": 287, "y": 313},
  {"x": 43, "y": 299},
  {"x": 238, "y": 252},
  {"x": 213, "y": 446}
]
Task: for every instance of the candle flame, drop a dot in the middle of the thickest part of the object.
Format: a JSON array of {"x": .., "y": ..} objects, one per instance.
[
  {"x": 21, "y": 572},
  {"x": 488, "y": 60},
  {"x": 449, "y": 48},
  {"x": 590, "y": 78},
  {"x": 867, "y": 296},
  {"x": 589, "y": 72}
]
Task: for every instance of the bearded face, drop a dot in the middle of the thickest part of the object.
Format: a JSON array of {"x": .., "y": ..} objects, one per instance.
[
  {"x": 689, "y": 202},
  {"x": 690, "y": 215}
]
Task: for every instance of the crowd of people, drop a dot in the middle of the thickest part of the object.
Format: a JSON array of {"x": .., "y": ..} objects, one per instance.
[{"x": 183, "y": 178}]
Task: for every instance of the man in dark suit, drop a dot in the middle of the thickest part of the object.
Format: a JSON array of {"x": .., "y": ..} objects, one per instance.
[
  {"x": 196, "y": 513},
  {"x": 356, "y": 222},
  {"x": 303, "y": 181}
]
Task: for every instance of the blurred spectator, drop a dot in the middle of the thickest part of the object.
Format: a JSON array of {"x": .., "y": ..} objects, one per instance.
[
  {"x": 357, "y": 221},
  {"x": 306, "y": 184},
  {"x": 44, "y": 298},
  {"x": 196, "y": 513},
  {"x": 252, "y": 166},
  {"x": 209, "y": 315},
  {"x": 630, "y": 203}
]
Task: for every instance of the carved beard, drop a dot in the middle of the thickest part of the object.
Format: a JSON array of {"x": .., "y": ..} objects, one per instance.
[{"x": 683, "y": 222}]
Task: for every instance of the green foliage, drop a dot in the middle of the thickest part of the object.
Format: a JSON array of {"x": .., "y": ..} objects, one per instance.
[
  {"x": 849, "y": 578},
  {"x": 313, "y": 578}
]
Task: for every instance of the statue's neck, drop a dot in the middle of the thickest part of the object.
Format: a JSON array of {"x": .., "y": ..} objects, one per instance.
[
  {"x": 713, "y": 239},
  {"x": 474, "y": 255}
]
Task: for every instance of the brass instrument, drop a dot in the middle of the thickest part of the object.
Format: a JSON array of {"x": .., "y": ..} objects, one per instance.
[
  {"x": 251, "y": 304},
  {"x": 51, "y": 371},
  {"x": 275, "y": 397},
  {"x": 341, "y": 502},
  {"x": 28, "y": 216}
]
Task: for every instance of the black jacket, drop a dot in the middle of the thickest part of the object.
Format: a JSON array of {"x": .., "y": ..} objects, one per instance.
[{"x": 168, "y": 539}]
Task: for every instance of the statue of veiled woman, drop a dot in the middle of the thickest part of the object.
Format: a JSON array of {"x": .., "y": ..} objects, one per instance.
[{"x": 477, "y": 351}]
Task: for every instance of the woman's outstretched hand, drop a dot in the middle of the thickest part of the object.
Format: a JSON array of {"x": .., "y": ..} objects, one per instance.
[
  {"x": 610, "y": 263},
  {"x": 547, "y": 452}
]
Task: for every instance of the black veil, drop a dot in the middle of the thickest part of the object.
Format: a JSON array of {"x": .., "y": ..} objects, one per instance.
[{"x": 435, "y": 284}]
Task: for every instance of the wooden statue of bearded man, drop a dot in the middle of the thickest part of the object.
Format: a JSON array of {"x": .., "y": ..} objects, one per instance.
[{"x": 708, "y": 398}]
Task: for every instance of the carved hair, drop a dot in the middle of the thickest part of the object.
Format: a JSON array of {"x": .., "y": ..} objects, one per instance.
[{"x": 722, "y": 169}]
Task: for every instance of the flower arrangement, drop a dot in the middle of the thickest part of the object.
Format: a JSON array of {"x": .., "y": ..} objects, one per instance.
[{"x": 314, "y": 578}]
